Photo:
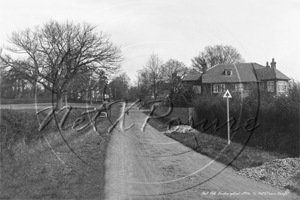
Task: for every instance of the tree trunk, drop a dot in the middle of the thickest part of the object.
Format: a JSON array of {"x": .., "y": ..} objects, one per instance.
[
  {"x": 91, "y": 97},
  {"x": 155, "y": 95},
  {"x": 66, "y": 99},
  {"x": 23, "y": 88},
  {"x": 59, "y": 100},
  {"x": 18, "y": 81},
  {"x": 33, "y": 88},
  {"x": 15, "y": 90}
]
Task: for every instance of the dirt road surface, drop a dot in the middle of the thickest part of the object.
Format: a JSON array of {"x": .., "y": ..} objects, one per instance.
[{"x": 150, "y": 165}]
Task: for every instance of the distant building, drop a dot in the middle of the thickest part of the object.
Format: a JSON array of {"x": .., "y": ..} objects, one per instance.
[{"x": 239, "y": 77}]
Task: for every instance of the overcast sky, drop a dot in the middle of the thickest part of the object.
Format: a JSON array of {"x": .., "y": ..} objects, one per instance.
[{"x": 178, "y": 29}]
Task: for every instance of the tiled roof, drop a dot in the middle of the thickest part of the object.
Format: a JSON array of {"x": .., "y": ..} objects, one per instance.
[
  {"x": 270, "y": 73},
  {"x": 241, "y": 72},
  {"x": 192, "y": 77}
]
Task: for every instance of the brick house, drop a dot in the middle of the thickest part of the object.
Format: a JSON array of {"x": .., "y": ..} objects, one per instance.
[{"x": 239, "y": 78}]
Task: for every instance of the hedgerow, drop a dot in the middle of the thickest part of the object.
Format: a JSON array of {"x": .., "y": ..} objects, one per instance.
[
  {"x": 277, "y": 117},
  {"x": 18, "y": 125}
]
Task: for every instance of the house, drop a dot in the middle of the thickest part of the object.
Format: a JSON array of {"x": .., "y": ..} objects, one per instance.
[{"x": 239, "y": 77}]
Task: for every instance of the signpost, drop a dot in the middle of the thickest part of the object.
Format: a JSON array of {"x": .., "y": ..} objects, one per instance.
[{"x": 227, "y": 95}]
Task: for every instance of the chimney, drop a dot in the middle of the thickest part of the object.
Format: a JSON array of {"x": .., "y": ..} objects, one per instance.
[
  {"x": 204, "y": 67},
  {"x": 273, "y": 63},
  {"x": 268, "y": 66}
]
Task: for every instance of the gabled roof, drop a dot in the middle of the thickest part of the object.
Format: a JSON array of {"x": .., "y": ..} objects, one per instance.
[
  {"x": 268, "y": 73},
  {"x": 241, "y": 72}
]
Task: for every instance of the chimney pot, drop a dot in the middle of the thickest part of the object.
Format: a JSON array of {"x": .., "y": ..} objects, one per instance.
[
  {"x": 273, "y": 63},
  {"x": 268, "y": 66}
]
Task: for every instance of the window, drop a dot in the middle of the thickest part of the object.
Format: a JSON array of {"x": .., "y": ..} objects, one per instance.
[
  {"x": 215, "y": 88},
  {"x": 270, "y": 86},
  {"x": 222, "y": 88},
  {"x": 218, "y": 88},
  {"x": 197, "y": 89},
  {"x": 281, "y": 86},
  {"x": 239, "y": 87},
  {"x": 228, "y": 72}
]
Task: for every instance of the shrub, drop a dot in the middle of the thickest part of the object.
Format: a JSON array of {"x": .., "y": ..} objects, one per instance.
[{"x": 182, "y": 98}]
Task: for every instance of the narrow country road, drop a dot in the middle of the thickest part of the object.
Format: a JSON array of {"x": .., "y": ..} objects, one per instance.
[{"x": 150, "y": 165}]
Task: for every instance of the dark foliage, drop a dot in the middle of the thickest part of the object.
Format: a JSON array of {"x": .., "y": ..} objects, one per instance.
[{"x": 278, "y": 119}]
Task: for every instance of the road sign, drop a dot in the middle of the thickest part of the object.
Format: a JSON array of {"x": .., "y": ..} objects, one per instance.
[{"x": 227, "y": 95}]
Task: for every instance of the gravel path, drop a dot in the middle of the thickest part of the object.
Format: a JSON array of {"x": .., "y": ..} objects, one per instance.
[{"x": 150, "y": 165}]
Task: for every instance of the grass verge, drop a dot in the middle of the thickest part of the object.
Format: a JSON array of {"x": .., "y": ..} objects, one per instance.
[
  {"x": 40, "y": 100},
  {"x": 237, "y": 155},
  {"x": 57, "y": 165}
]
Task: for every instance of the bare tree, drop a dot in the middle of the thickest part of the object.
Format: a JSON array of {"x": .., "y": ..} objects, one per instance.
[
  {"x": 218, "y": 54},
  {"x": 55, "y": 53},
  {"x": 174, "y": 71},
  {"x": 152, "y": 76}
]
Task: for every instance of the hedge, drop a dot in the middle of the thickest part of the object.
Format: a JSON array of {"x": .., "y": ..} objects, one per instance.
[{"x": 278, "y": 120}]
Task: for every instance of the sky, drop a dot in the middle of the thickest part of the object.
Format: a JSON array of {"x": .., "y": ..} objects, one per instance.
[{"x": 179, "y": 29}]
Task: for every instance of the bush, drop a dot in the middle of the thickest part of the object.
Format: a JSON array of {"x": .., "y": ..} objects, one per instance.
[{"x": 182, "y": 99}]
